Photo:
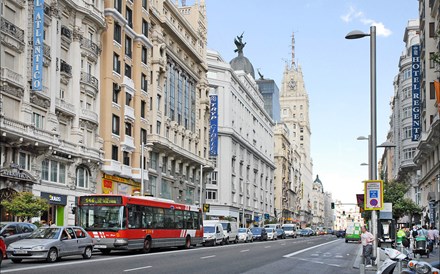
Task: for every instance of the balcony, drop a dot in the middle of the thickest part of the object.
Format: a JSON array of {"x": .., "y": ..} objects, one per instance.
[
  {"x": 12, "y": 35},
  {"x": 65, "y": 68},
  {"x": 112, "y": 167},
  {"x": 16, "y": 128},
  {"x": 65, "y": 107},
  {"x": 126, "y": 171},
  {"x": 129, "y": 113},
  {"x": 128, "y": 144},
  {"x": 89, "y": 115},
  {"x": 66, "y": 36},
  {"x": 11, "y": 77},
  {"x": 91, "y": 48},
  {"x": 89, "y": 80}
]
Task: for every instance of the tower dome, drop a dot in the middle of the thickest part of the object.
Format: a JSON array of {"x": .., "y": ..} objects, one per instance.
[{"x": 241, "y": 62}]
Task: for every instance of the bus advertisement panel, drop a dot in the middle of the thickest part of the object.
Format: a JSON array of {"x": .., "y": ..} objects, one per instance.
[{"x": 120, "y": 222}]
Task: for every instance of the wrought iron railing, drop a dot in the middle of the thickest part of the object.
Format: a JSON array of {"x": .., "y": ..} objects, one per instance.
[{"x": 12, "y": 29}]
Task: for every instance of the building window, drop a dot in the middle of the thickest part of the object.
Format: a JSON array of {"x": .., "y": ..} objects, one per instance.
[
  {"x": 118, "y": 5},
  {"x": 164, "y": 164},
  {"x": 117, "y": 34},
  {"x": 24, "y": 161},
  {"x": 145, "y": 28},
  {"x": 431, "y": 30},
  {"x": 128, "y": 70},
  {"x": 143, "y": 136},
  {"x": 152, "y": 185},
  {"x": 115, "y": 124},
  {"x": 116, "y": 63},
  {"x": 165, "y": 190},
  {"x": 82, "y": 177},
  {"x": 116, "y": 90},
  {"x": 115, "y": 152},
  {"x": 128, "y": 129},
  {"x": 432, "y": 91},
  {"x": 211, "y": 194},
  {"x": 144, "y": 4},
  {"x": 128, "y": 99},
  {"x": 128, "y": 46},
  {"x": 144, "y": 82},
  {"x": 406, "y": 74},
  {"x": 144, "y": 55},
  {"x": 143, "y": 108},
  {"x": 38, "y": 120},
  {"x": 158, "y": 97},
  {"x": 158, "y": 127},
  {"x": 53, "y": 171},
  {"x": 126, "y": 158},
  {"x": 407, "y": 112},
  {"x": 153, "y": 160},
  {"x": 408, "y": 154},
  {"x": 129, "y": 17},
  {"x": 431, "y": 60}
]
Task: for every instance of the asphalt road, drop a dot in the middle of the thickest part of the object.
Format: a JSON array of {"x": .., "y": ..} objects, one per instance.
[{"x": 320, "y": 254}]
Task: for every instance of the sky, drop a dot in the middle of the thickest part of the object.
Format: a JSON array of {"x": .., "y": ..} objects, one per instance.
[{"x": 336, "y": 70}]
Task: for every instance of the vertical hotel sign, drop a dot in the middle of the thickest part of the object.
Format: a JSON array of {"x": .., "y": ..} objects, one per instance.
[
  {"x": 37, "y": 54},
  {"x": 415, "y": 71},
  {"x": 213, "y": 125}
]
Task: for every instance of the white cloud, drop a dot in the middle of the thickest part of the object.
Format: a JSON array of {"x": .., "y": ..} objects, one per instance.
[{"x": 354, "y": 14}]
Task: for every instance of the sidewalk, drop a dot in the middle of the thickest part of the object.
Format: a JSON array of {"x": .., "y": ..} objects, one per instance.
[{"x": 433, "y": 257}]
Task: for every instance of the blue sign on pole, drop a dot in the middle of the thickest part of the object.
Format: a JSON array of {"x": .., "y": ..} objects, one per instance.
[
  {"x": 415, "y": 71},
  {"x": 37, "y": 53},
  {"x": 257, "y": 218},
  {"x": 213, "y": 125}
]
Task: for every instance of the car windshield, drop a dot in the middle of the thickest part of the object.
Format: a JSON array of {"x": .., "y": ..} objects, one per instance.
[
  {"x": 288, "y": 228},
  {"x": 269, "y": 230},
  {"x": 242, "y": 230},
  {"x": 45, "y": 233},
  {"x": 208, "y": 229},
  {"x": 256, "y": 230}
]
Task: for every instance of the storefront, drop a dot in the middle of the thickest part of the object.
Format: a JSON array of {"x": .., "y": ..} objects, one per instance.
[{"x": 57, "y": 208}]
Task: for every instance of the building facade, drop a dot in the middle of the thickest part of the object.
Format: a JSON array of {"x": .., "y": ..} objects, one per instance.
[
  {"x": 294, "y": 104},
  {"x": 244, "y": 168},
  {"x": 49, "y": 111},
  {"x": 156, "y": 108},
  {"x": 271, "y": 96}
]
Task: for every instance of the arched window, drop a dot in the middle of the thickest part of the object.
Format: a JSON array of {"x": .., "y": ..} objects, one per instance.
[{"x": 82, "y": 177}]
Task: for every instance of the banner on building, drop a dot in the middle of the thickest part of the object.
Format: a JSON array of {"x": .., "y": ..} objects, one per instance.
[
  {"x": 37, "y": 52},
  {"x": 415, "y": 72},
  {"x": 213, "y": 125}
]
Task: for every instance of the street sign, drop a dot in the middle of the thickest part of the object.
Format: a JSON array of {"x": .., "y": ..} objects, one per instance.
[
  {"x": 266, "y": 216},
  {"x": 373, "y": 196},
  {"x": 257, "y": 218}
]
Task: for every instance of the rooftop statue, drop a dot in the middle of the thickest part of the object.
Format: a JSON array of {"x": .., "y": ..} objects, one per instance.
[{"x": 239, "y": 43}]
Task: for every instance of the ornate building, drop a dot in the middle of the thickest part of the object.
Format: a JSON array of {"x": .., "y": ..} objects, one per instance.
[{"x": 49, "y": 111}]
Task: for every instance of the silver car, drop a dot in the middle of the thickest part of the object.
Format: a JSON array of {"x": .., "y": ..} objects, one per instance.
[{"x": 52, "y": 243}]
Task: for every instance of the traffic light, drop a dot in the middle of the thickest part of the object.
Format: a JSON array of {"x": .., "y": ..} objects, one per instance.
[
  {"x": 333, "y": 205},
  {"x": 343, "y": 212}
]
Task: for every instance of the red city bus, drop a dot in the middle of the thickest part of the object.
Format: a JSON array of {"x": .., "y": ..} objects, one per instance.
[{"x": 120, "y": 222}]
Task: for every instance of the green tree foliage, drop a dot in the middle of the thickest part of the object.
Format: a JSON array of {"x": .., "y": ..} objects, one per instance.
[
  {"x": 394, "y": 192},
  {"x": 25, "y": 205}
]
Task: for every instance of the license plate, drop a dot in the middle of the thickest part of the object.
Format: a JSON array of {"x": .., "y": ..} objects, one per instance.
[
  {"x": 20, "y": 251},
  {"x": 100, "y": 246}
]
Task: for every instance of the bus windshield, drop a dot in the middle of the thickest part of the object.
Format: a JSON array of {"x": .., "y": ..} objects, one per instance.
[{"x": 101, "y": 218}]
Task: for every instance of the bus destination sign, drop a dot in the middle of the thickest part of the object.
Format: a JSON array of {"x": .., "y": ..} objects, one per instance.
[{"x": 100, "y": 200}]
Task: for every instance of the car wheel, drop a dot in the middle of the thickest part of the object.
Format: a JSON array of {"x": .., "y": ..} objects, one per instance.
[
  {"x": 52, "y": 255},
  {"x": 147, "y": 245},
  {"x": 16, "y": 260},
  {"x": 105, "y": 251},
  {"x": 87, "y": 252},
  {"x": 346, "y": 240}
]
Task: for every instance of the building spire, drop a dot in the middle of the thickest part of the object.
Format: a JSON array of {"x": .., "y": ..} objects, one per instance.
[{"x": 293, "y": 50}]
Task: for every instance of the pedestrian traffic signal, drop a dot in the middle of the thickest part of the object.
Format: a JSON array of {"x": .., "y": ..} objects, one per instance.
[{"x": 333, "y": 205}]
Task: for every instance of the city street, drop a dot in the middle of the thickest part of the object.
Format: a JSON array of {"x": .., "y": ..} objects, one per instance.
[{"x": 320, "y": 254}]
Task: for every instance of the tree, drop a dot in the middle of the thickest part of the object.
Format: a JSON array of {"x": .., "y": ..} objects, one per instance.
[
  {"x": 394, "y": 192},
  {"x": 25, "y": 205}
]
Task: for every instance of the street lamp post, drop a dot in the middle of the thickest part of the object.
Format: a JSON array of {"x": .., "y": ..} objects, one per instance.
[
  {"x": 373, "y": 135},
  {"x": 142, "y": 169}
]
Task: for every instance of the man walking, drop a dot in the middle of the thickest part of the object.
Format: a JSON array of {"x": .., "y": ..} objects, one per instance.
[{"x": 367, "y": 245}]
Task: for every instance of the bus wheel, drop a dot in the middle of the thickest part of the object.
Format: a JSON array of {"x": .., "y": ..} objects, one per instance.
[
  {"x": 147, "y": 245},
  {"x": 188, "y": 242}
]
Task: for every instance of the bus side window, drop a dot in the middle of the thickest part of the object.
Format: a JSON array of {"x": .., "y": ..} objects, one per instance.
[{"x": 147, "y": 217}]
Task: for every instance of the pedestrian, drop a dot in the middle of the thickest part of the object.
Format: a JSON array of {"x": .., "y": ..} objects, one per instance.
[
  {"x": 431, "y": 238},
  {"x": 436, "y": 236},
  {"x": 414, "y": 236},
  {"x": 367, "y": 240}
]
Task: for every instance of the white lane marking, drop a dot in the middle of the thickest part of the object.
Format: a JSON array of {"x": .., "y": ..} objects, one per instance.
[
  {"x": 245, "y": 250},
  {"x": 306, "y": 249},
  {"x": 267, "y": 246},
  {"x": 308, "y": 260},
  {"x": 283, "y": 244},
  {"x": 134, "y": 269},
  {"x": 206, "y": 257}
]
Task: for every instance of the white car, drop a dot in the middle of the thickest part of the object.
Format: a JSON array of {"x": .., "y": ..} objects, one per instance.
[
  {"x": 245, "y": 235},
  {"x": 271, "y": 234}
]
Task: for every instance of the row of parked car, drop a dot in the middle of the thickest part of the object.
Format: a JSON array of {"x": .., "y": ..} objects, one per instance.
[
  {"x": 20, "y": 241},
  {"x": 219, "y": 232}
]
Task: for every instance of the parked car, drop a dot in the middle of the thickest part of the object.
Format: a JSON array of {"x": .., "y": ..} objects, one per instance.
[
  {"x": 306, "y": 232},
  {"x": 14, "y": 231},
  {"x": 271, "y": 234},
  {"x": 259, "y": 233},
  {"x": 245, "y": 235},
  {"x": 340, "y": 233},
  {"x": 290, "y": 230},
  {"x": 52, "y": 243},
  {"x": 2, "y": 250},
  {"x": 280, "y": 233},
  {"x": 213, "y": 233},
  {"x": 330, "y": 231}
]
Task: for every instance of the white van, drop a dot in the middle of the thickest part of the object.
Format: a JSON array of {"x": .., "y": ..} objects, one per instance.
[
  {"x": 274, "y": 226},
  {"x": 290, "y": 230},
  {"x": 213, "y": 233},
  {"x": 230, "y": 230}
]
